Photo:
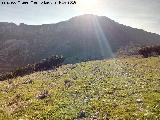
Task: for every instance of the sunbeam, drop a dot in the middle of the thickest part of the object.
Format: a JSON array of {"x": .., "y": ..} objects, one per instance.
[{"x": 102, "y": 40}]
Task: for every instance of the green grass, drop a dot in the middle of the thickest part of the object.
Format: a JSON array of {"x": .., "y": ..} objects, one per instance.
[{"x": 115, "y": 89}]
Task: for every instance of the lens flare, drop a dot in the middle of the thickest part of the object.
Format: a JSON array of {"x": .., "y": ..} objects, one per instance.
[{"x": 87, "y": 5}]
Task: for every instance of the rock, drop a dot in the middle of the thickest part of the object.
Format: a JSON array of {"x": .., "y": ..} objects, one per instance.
[
  {"x": 82, "y": 114},
  {"x": 139, "y": 101},
  {"x": 10, "y": 81},
  {"x": 28, "y": 81},
  {"x": 94, "y": 116},
  {"x": 72, "y": 66},
  {"x": 74, "y": 77},
  {"x": 42, "y": 94},
  {"x": 106, "y": 116},
  {"x": 68, "y": 83},
  {"x": 60, "y": 73}
]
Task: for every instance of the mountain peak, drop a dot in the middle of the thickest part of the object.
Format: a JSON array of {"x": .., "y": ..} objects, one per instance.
[{"x": 88, "y": 16}]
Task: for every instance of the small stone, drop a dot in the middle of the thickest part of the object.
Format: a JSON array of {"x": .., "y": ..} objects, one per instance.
[
  {"x": 60, "y": 73},
  {"x": 82, "y": 114},
  {"x": 72, "y": 66},
  {"x": 28, "y": 82},
  {"x": 68, "y": 83},
  {"x": 106, "y": 117},
  {"x": 10, "y": 81},
  {"x": 42, "y": 95},
  {"x": 139, "y": 101}
]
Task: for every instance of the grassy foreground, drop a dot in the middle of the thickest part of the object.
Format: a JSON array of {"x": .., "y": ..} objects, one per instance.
[{"x": 114, "y": 89}]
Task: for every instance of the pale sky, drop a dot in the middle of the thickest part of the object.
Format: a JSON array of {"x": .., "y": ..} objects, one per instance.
[{"x": 143, "y": 14}]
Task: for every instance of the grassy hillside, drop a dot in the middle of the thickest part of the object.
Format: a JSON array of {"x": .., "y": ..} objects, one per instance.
[{"x": 110, "y": 89}]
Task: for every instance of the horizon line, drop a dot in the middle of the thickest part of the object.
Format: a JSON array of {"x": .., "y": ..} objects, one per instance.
[{"x": 75, "y": 17}]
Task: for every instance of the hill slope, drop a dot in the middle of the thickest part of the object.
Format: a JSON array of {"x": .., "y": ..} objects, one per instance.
[
  {"x": 77, "y": 39},
  {"x": 114, "y": 89}
]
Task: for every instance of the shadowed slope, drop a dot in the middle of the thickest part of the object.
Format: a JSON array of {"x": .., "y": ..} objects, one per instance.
[{"x": 86, "y": 37}]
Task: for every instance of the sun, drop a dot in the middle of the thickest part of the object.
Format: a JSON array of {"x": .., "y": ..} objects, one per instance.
[{"x": 87, "y": 5}]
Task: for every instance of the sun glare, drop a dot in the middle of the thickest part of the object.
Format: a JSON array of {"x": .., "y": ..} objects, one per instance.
[{"x": 87, "y": 5}]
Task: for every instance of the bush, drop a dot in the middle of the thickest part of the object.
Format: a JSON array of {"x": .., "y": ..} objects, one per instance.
[
  {"x": 146, "y": 51},
  {"x": 45, "y": 64},
  {"x": 149, "y": 51}
]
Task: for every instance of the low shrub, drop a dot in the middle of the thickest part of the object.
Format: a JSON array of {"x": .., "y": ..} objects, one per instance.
[
  {"x": 45, "y": 64},
  {"x": 149, "y": 51}
]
